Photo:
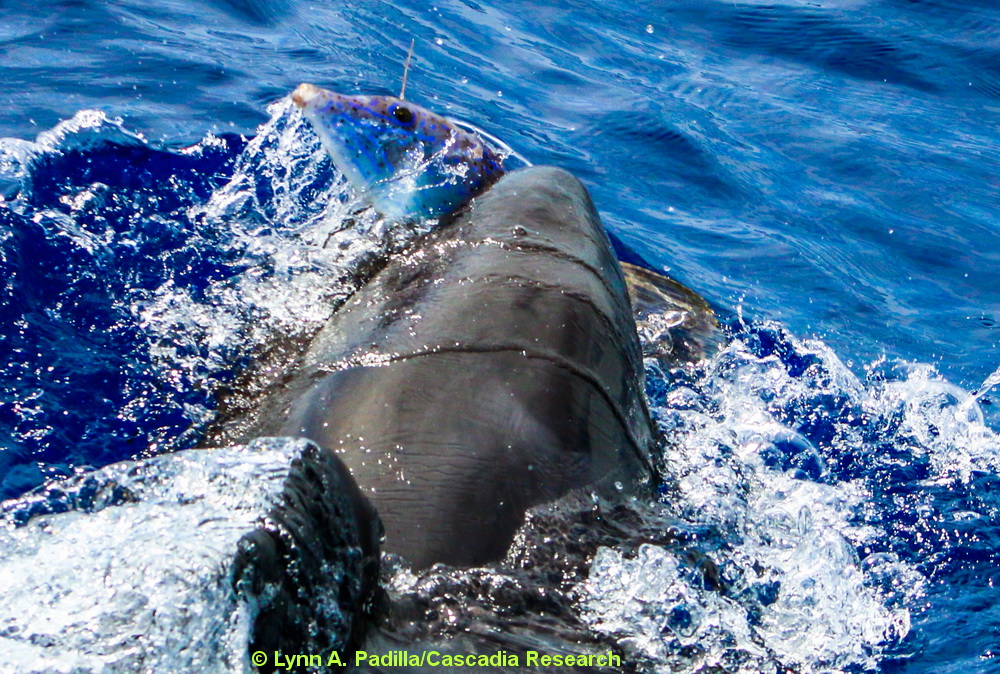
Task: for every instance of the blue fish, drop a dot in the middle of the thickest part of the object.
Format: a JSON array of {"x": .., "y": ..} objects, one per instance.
[{"x": 407, "y": 162}]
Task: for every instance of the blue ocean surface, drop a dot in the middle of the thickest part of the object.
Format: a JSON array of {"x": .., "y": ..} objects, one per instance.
[{"x": 825, "y": 173}]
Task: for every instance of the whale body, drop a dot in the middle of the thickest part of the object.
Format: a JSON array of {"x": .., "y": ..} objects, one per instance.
[{"x": 492, "y": 367}]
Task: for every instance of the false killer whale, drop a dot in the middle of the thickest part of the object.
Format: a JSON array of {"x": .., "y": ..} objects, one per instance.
[
  {"x": 495, "y": 364},
  {"x": 492, "y": 367}
]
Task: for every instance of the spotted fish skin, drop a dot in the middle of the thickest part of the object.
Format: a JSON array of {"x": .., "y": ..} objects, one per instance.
[{"x": 406, "y": 161}]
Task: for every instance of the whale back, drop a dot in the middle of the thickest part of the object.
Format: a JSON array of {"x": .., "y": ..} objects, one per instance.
[{"x": 492, "y": 367}]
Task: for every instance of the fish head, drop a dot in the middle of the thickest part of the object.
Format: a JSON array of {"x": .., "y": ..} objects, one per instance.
[{"x": 404, "y": 160}]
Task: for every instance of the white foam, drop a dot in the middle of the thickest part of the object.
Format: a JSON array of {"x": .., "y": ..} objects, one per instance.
[
  {"x": 797, "y": 593},
  {"x": 144, "y": 584}
]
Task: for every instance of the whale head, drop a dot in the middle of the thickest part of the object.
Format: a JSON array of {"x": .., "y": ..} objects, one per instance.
[{"x": 407, "y": 162}]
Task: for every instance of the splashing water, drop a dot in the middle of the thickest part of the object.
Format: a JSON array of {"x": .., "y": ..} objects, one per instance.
[
  {"x": 989, "y": 383},
  {"x": 300, "y": 245},
  {"x": 135, "y": 572},
  {"x": 828, "y": 493},
  {"x": 850, "y": 521},
  {"x": 141, "y": 279}
]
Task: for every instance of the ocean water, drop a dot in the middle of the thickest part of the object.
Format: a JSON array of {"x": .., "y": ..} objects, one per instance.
[{"x": 824, "y": 173}]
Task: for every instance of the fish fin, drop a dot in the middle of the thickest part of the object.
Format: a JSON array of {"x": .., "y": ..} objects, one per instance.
[{"x": 674, "y": 322}]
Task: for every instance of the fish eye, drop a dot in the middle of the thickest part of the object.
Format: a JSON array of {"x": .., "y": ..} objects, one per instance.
[{"x": 402, "y": 115}]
